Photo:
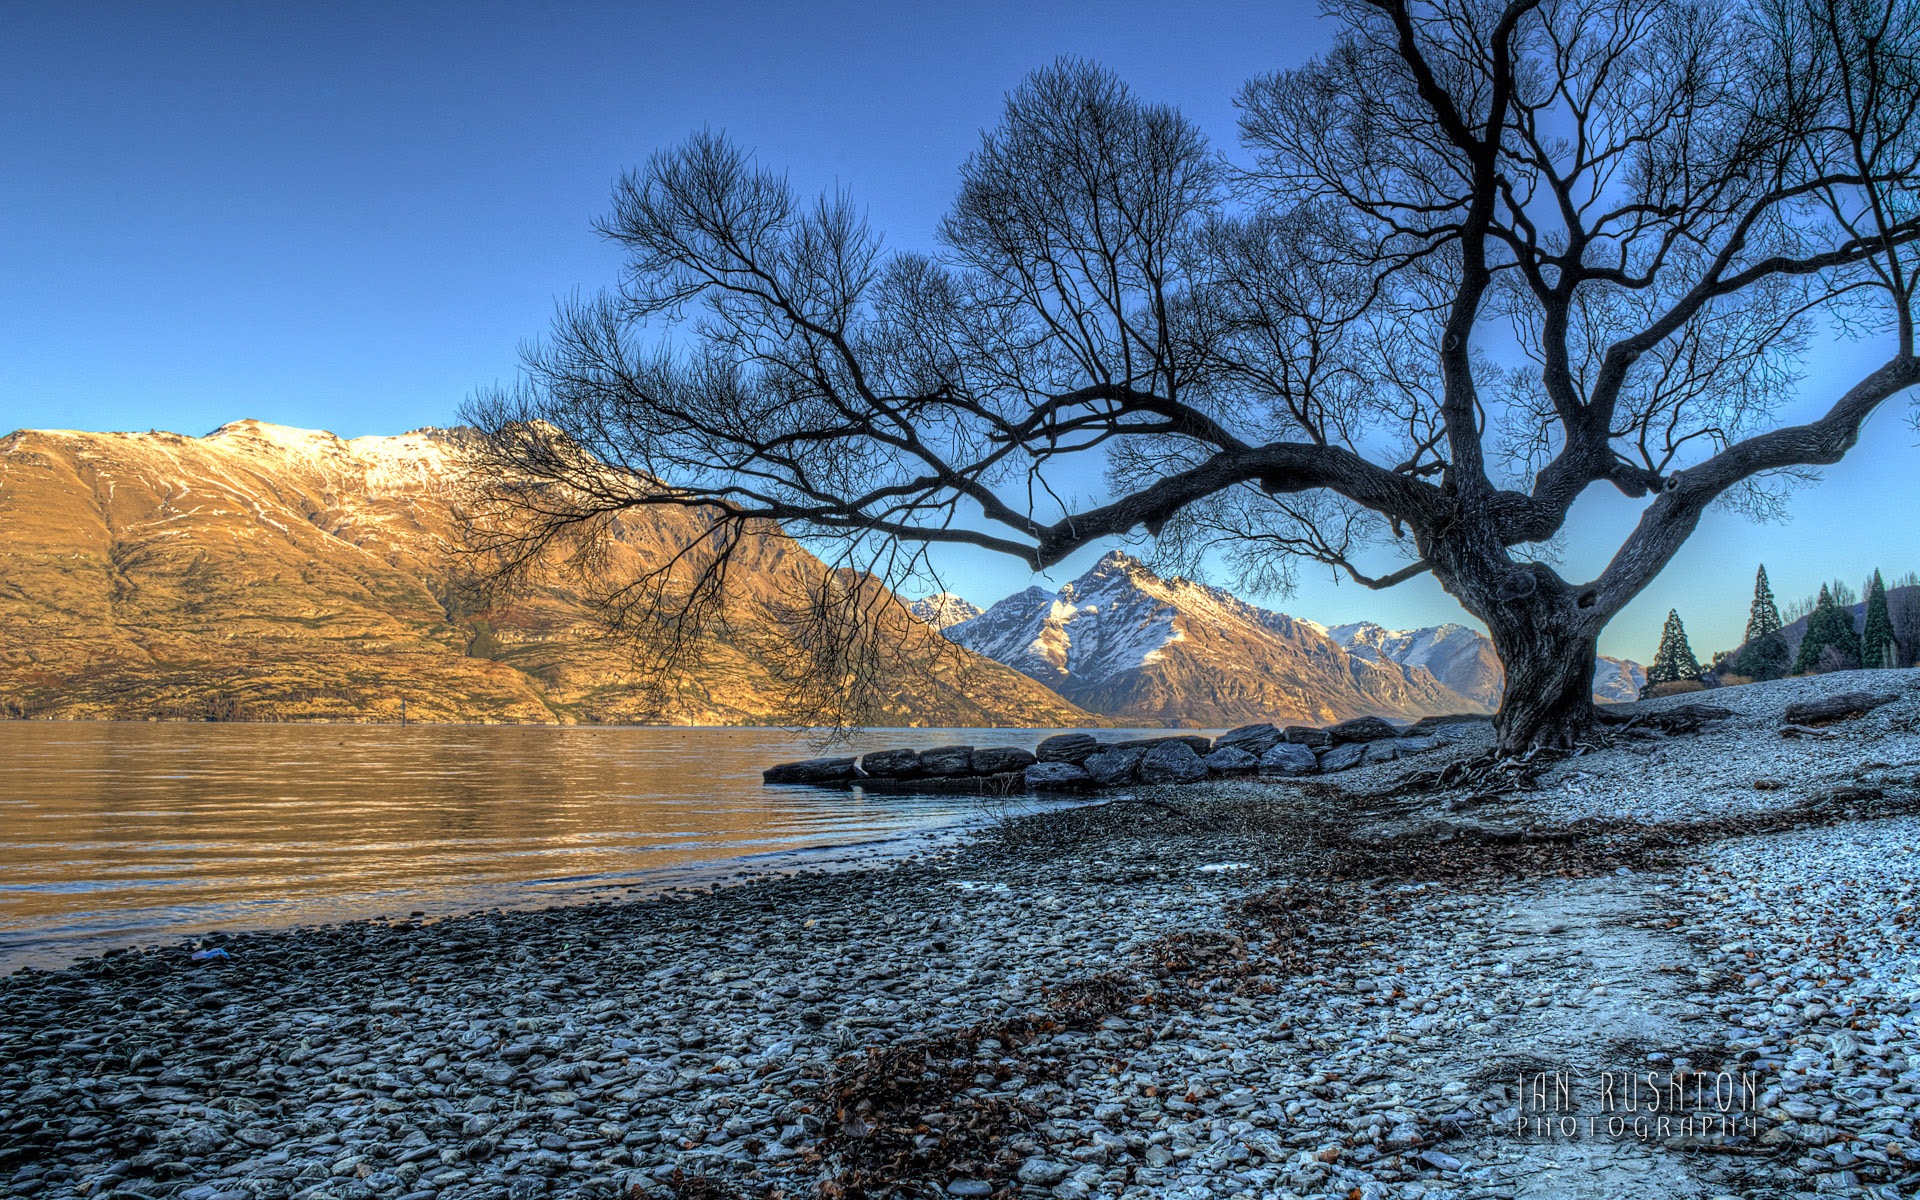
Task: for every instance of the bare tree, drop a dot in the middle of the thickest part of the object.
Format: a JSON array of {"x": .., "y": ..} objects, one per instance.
[{"x": 1478, "y": 258}]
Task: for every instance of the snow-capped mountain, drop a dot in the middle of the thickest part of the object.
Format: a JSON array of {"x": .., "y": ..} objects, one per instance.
[
  {"x": 943, "y": 609},
  {"x": 1463, "y": 659},
  {"x": 1617, "y": 680},
  {"x": 1122, "y": 641}
]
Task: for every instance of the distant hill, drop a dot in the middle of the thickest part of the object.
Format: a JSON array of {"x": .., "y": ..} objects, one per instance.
[{"x": 262, "y": 572}]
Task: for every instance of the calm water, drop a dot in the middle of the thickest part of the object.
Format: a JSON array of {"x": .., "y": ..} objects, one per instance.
[{"x": 117, "y": 834}]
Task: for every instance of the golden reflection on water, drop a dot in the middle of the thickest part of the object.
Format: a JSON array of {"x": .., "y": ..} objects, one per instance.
[{"x": 119, "y": 833}]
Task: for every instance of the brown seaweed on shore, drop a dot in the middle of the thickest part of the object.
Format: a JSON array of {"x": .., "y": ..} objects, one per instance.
[
  {"x": 682, "y": 1186},
  {"x": 915, "y": 1111}
]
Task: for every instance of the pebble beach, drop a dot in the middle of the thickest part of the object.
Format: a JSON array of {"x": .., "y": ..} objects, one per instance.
[{"x": 1239, "y": 988}]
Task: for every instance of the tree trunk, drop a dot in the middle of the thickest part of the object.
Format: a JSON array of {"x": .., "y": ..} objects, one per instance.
[
  {"x": 1544, "y": 633},
  {"x": 1548, "y": 699}
]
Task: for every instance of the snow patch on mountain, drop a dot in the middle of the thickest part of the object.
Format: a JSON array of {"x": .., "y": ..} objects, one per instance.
[
  {"x": 944, "y": 609},
  {"x": 1461, "y": 658},
  {"x": 1617, "y": 680},
  {"x": 1097, "y": 626}
]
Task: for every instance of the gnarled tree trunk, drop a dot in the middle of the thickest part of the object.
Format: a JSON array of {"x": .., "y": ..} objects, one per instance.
[
  {"x": 1548, "y": 699},
  {"x": 1546, "y": 636}
]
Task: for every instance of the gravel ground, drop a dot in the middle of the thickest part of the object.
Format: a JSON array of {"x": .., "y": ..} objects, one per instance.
[{"x": 1232, "y": 989}]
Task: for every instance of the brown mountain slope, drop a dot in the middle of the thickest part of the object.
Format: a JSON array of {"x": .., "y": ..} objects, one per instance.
[{"x": 262, "y": 572}]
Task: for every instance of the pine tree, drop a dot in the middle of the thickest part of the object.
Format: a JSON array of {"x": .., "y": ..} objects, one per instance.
[
  {"x": 1878, "y": 646},
  {"x": 1764, "y": 654},
  {"x": 1674, "y": 660},
  {"x": 1764, "y": 617},
  {"x": 1828, "y": 625}
]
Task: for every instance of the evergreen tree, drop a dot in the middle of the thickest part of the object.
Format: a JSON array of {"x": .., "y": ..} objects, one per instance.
[
  {"x": 1764, "y": 617},
  {"x": 1878, "y": 646},
  {"x": 1903, "y": 604},
  {"x": 1828, "y": 625},
  {"x": 1764, "y": 655},
  {"x": 1674, "y": 660}
]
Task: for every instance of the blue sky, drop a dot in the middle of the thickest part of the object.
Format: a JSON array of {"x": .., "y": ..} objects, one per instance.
[{"x": 348, "y": 216}]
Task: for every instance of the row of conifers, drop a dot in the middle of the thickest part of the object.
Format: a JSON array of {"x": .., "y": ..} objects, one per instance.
[{"x": 1081, "y": 760}]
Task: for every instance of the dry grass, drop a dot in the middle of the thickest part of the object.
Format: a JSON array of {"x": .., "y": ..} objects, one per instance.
[{"x": 1677, "y": 687}]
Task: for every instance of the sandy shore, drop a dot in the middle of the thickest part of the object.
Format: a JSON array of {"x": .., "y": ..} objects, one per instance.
[{"x": 1233, "y": 989}]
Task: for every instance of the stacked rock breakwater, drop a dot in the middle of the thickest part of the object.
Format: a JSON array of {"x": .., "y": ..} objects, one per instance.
[{"x": 1071, "y": 761}]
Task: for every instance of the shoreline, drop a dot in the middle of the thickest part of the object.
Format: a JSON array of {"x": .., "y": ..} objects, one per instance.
[
  {"x": 1307, "y": 990},
  {"x": 21, "y": 952},
  {"x": 116, "y": 834}
]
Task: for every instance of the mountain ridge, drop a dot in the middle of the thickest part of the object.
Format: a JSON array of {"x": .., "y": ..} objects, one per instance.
[
  {"x": 1134, "y": 656},
  {"x": 1464, "y": 659},
  {"x": 270, "y": 573},
  {"x": 943, "y": 609},
  {"x": 1124, "y": 642}
]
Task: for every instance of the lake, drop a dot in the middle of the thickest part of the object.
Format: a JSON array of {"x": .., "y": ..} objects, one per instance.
[{"x": 117, "y": 834}]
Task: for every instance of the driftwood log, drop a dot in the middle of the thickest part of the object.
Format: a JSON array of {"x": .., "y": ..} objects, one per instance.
[{"x": 1829, "y": 709}]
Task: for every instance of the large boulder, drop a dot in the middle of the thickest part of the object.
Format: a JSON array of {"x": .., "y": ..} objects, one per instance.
[
  {"x": 1231, "y": 760},
  {"x": 1307, "y": 735},
  {"x": 998, "y": 760},
  {"x": 1361, "y": 729},
  {"x": 1172, "y": 761},
  {"x": 1193, "y": 741},
  {"x": 1339, "y": 758},
  {"x": 892, "y": 764},
  {"x": 811, "y": 770},
  {"x": 1388, "y": 749},
  {"x": 947, "y": 760},
  {"x": 1453, "y": 724},
  {"x": 1289, "y": 759},
  {"x": 1047, "y": 776},
  {"x": 1385, "y": 750},
  {"x": 1113, "y": 767},
  {"x": 1068, "y": 748},
  {"x": 1254, "y": 739}
]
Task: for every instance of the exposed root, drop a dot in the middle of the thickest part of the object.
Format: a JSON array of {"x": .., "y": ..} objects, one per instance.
[
  {"x": 1485, "y": 778},
  {"x": 1466, "y": 854},
  {"x": 1493, "y": 775}
]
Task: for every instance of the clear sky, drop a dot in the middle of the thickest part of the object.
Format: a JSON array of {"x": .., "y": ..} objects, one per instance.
[{"x": 347, "y": 216}]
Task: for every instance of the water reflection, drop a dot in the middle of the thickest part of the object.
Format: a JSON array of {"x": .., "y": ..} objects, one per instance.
[{"x": 119, "y": 833}]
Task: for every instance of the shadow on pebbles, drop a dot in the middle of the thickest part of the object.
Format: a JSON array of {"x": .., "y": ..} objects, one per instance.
[{"x": 1598, "y": 985}]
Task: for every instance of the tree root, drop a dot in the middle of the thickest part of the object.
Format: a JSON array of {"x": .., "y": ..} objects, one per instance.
[{"x": 1486, "y": 777}]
